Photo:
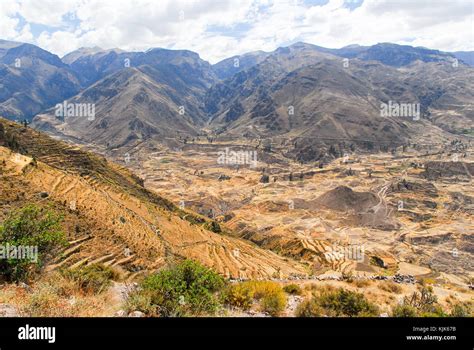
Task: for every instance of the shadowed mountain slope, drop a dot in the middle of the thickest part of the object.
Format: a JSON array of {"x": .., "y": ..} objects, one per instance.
[
  {"x": 301, "y": 93},
  {"x": 32, "y": 80}
]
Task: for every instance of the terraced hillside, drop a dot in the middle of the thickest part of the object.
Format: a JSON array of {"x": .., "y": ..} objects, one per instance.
[
  {"x": 111, "y": 218},
  {"x": 409, "y": 210}
]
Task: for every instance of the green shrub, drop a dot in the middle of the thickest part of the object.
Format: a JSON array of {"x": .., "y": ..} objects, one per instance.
[
  {"x": 213, "y": 226},
  {"x": 404, "y": 311},
  {"x": 187, "y": 289},
  {"x": 434, "y": 311},
  {"x": 140, "y": 301},
  {"x": 30, "y": 226},
  {"x": 340, "y": 302},
  {"x": 344, "y": 302},
  {"x": 309, "y": 308},
  {"x": 462, "y": 310},
  {"x": 293, "y": 289},
  {"x": 425, "y": 302},
  {"x": 274, "y": 303},
  {"x": 420, "y": 304},
  {"x": 348, "y": 276},
  {"x": 92, "y": 279}
]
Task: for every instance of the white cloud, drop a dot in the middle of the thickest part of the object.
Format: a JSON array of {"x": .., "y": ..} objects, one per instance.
[
  {"x": 218, "y": 29},
  {"x": 46, "y": 12},
  {"x": 8, "y": 22}
]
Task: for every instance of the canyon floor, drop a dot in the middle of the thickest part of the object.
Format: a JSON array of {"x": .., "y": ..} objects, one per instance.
[{"x": 362, "y": 214}]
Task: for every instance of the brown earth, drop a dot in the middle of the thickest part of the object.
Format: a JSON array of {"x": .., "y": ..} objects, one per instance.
[{"x": 308, "y": 213}]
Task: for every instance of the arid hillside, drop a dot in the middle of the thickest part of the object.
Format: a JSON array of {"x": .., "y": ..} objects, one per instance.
[
  {"x": 410, "y": 210},
  {"x": 290, "y": 232},
  {"x": 111, "y": 218}
]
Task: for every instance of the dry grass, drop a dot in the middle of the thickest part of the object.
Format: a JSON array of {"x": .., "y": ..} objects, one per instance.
[
  {"x": 390, "y": 287},
  {"x": 238, "y": 295},
  {"x": 260, "y": 289},
  {"x": 293, "y": 289},
  {"x": 451, "y": 299},
  {"x": 461, "y": 289},
  {"x": 55, "y": 296},
  {"x": 426, "y": 281},
  {"x": 362, "y": 283},
  {"x": 269, "y": 295},
  {"x": 317, "y": 289}
]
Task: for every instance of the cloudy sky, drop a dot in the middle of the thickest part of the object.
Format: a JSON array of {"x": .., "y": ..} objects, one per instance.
[{"x": 217, "y": 29}]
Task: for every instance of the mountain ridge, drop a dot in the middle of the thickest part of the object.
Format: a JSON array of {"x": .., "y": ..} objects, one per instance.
[
  {"x": 333, "y": 93},
  {"x": 32, "y": 79}
]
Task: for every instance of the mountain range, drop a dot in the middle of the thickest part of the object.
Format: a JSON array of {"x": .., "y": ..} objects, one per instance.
[
  {"x": 294, "y": 174},
  {"x": 32, "y": 79},
  {"x": 306, "y": 93},
  {"x": 299, "y": 95}
]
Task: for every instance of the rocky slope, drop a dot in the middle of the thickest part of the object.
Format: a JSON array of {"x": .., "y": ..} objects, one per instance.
[
  {"x": 304, "y": 95},
  {"x": 158, "y": 94},
  {"x": 32, "y": 80},
  {"x": 130, "y": 107},
  {"x": 320, "y": 103}
]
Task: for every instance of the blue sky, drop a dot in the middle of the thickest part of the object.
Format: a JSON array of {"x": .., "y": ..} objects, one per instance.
[{"x": 217, "y": 29}]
